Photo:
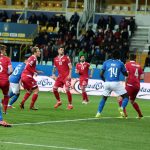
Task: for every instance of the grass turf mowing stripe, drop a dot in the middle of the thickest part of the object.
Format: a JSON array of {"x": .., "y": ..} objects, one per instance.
[
  {"x": 73, "y": 120},
  {"x": 44, "y": 146}
]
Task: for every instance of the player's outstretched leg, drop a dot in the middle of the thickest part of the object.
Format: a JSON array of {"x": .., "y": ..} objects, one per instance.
[
  {"x": 69, "y": 95},
  {"x": 56, "y": 94},
  {"x": 85, "y": 99},
  {"x": 120, "y": 104},
  {"x": 137, "y": 108},
  {"x": 2, "y": 122},
  {"x": 5, "y": 103},
  {"x": 34, "y": 98},
  {"x": 26, "y": 96},
  {"x": 101, "y": 106},
  {"x": 125, "y": 99},
  {"x": 13, "y": 100}
]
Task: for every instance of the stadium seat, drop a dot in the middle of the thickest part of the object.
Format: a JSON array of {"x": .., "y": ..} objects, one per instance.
[
  {"x": 93, "y": 66},
  {"x": 50, "y": 29},
  {"x": 50, "y": 63},
  {"x": 43, "y": 29},
  {"x": 99, "y": 66}
]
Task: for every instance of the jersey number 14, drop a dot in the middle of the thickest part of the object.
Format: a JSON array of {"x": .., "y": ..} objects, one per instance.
[{"x": 113, "y": 72}]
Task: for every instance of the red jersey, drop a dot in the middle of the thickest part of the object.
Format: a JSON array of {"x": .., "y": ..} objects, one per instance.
[
  {"x": 83, "y": 69},
  {"x": 4, "y": 67},
  {"x": 30, "y": 68},
  {"x": 134, "y": 73},
  {"x": 62, "y": 64}
]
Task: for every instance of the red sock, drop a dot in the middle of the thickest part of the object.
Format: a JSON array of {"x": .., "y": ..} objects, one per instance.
[
  {"x": 85, "y": 96},
  {"x": 56, "y": 95},
  {"x": 69, "y": 97},
  {"x": 26, "y": 96},
  {"x": 5, "y": 103},
  {"x": 120, "y": 103},
  {"x": 34, "y": 98},
  {"x": 137, "y": 108}
]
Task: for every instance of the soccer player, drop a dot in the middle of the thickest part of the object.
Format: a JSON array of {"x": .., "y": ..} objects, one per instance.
[
  {"x": 63, "y": 64},
  {"x": 82, "y": 69},
  {"x": 112, "y": 69},
  {"x": 5, "y": 71},
  {"x": 135, "y": 74},
  {"x": 14, "y": 89},
  {"x": 28, "y": 82}
]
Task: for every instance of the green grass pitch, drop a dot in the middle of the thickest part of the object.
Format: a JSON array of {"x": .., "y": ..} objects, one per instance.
[{"x": 62, "y": 129}]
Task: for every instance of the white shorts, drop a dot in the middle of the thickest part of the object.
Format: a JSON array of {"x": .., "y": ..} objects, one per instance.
[
  {"x": 15, "y": 88},
  {"x": 117, "y": 87}
]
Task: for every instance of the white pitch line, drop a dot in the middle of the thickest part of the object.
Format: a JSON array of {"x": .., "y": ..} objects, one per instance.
[
  {"x": 39, "y": 145},
  {"x": 73, "y": 120}
]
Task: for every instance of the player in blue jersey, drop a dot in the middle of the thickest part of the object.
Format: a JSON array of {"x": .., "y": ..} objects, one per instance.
[
  {"x": 14, "y": 90},
  {"x": 112, "y": 69}
]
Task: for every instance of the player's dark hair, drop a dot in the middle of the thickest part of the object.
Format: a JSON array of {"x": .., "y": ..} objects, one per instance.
[
  {"x": 116, "y": 54},
  {"x": 81, "y": 56},
  {"x": 132, "y": 57}
]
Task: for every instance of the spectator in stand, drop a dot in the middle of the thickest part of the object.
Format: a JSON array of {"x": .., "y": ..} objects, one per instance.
[
  {"x": 14, "y": 17},
  {"x": 15, "y": 54},
  {"x": 117, "y": 34},
  {"x": 45, "y": 54},
  {"x": 53, "y": 21},
  {"x": 43, "y": 19},
  {"x": 124, "y": 51},
  {"x": 74, "y": 19},
  {"x": 101, "y": 23},
  {"x": 125, "y": 34},
  {"x": 84, "y": 53},
  {"x": 111, "y": 22},
  {"x": 123, "y": 24},
  {"x": 3, "y": 16},
  {"x": 32, "y": 19},
  {"x": 147, "y": 61},
  {"x": 132, "y": 25}
]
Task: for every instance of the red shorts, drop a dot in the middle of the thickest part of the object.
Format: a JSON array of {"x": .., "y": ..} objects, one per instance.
[
  {"x": 132, "y": 92},
  {"x": 60, "y": 82},
  {"x": 83, "y": 82},
  {"x": 4, "y": 86},
  {"x": 28, "y": 83}
]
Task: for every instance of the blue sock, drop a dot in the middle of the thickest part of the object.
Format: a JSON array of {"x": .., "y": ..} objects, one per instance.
[
  {"x": 13, "y": 99},
  {"x": 124, "y": 102},
  {"x": 1, "y": 118},
  {"x": 11, "y": 94},
  {"x": 101, "y": 105}
]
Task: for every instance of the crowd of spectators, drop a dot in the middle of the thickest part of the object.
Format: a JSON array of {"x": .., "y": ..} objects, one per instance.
[{"x": 97, "y": 46}]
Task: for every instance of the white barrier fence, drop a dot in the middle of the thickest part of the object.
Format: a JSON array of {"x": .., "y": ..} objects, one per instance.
[{"x": 95, "y": 87}]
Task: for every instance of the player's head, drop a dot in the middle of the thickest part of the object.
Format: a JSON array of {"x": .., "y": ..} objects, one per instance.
[
  {"x": 82, "y": 58},
  {"x": 61, "y": 50},
  {"x": 3, "y": 49},
  {"x": 36, "y": 51},
  {"x": 132, "y": 57},
  {"x": 116, "y": 54}
]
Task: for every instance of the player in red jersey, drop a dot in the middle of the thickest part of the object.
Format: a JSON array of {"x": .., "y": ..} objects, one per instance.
[
  {"x": 5, "y": 71},
  {"x": 135, "y": 74},
  {"x": 82, "y": 69},
  {"x": 28, "y": 82},
  {"x": 63, "y": 64}
]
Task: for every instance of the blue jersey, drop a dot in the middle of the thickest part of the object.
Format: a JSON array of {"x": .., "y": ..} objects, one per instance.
[
  {"x": 113, "y": 68},
  {"x": 16, "y": 75}
]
